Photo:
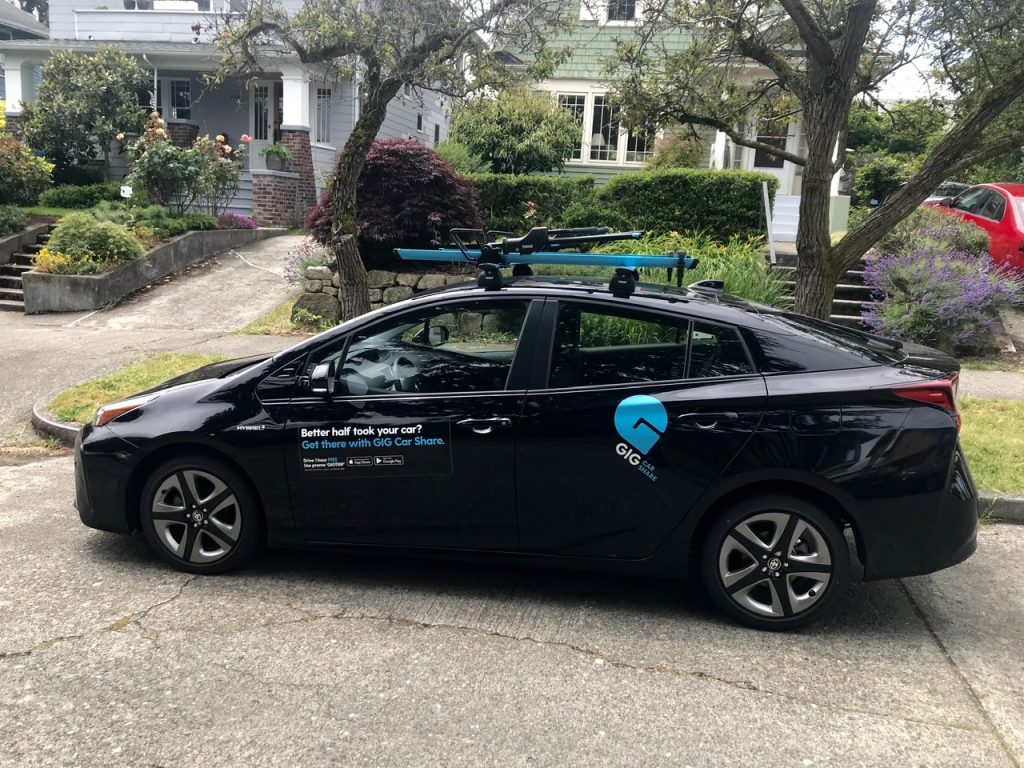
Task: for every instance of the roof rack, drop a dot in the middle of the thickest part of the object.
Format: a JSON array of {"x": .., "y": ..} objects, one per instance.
[{"x": 543, "y": 246}]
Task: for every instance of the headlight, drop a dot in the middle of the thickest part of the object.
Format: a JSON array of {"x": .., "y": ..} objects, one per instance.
[{"x": 107, "y": 413}]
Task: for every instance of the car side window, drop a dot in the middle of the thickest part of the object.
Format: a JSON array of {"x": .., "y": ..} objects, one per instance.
[
  {"x": 994, "y": 208},
  {"x": 454, "y": 347},
  {"x": 717, "y": 350},
  {"x": 596, "y": 346},
  {"x": 972, "y": 201}
]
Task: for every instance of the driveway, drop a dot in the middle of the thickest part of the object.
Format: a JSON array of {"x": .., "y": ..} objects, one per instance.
[
  {"x": 107, "y": 657},
  {"x": 193, "y": 311}
]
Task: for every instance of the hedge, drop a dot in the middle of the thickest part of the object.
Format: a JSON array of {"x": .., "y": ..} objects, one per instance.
[
  {"x": 719, "y": 203},
  {"x": 86, "y": 196},
  {"x": 504, "y": 199}
]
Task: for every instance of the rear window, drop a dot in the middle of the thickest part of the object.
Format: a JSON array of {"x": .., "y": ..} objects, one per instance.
[{"x": 875, "y": 349}]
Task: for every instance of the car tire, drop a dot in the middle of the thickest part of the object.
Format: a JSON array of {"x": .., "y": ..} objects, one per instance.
[
  {"x": 775, "y": 562},
  {"x": 198, "y": 514}
]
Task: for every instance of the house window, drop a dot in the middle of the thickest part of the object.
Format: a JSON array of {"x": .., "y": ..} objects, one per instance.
[
  {"x": 437, "y": 134},
  {"x": 622, "y": 10},
  {"x": 419, "y": 123},
  {"x": 323, "y": 115},
  {"x": 764, "y": 158},
  {"x": 260, "y": 112},
  {"x": 181, "y": 99},
  {"x": 639, "y": 146},
  {"x": 577, "y": 104},
  {"x": 604, "y": 141}
]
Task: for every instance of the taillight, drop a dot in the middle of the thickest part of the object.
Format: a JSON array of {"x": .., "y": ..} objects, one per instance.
[{"x": 941, "y": 393}]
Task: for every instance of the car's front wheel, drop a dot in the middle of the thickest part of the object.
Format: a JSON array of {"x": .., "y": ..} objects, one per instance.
[
  {"x": 199, "y": 515},
  {"x": 775, "y": 562}
]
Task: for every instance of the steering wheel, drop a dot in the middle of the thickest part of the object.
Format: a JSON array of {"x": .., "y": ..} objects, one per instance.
[{"x": 378, "y": 370}]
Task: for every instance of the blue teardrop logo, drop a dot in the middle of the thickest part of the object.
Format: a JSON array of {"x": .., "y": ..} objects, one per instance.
[{"x": 641, "y": 420}]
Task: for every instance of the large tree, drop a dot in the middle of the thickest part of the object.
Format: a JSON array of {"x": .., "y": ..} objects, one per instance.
[
  {"x": 389, "y": 45},
  {"x": 84, "y": 101},
  {"x": 809, "y": 59}
]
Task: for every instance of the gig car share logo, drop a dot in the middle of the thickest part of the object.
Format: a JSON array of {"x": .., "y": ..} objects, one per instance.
[{"x": 640, "y": 420}]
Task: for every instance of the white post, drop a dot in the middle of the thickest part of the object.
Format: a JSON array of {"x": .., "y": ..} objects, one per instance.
[
  {"x": 768, "y": 220},
  {"x": 13, "y": 82},
  {"x": 295, "y": 110}
]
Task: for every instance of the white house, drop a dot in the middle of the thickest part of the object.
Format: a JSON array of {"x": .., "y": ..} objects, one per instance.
[{"x": 296, "y": 105}]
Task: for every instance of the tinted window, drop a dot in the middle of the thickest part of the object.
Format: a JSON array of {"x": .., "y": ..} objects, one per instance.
[
  {"x": 717, "y": 351},
  {"x": 464, "y": 347},
  {"x": 973, "y": 200},
  {"x": 829, "y": 339},
  {"x": 994, "y": 208},
  {"x": 595, "y": 346}
]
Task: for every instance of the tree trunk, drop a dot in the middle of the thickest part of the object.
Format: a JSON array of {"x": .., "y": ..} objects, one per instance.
[{"x": 353, "y": 294}]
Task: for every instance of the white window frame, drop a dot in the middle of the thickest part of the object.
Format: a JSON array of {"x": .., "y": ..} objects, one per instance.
[
  {"x": 324, "y": 103},
  {"x": 591, "y": 91},
  {"x": 597, "y": 10},
  {"x": 173, "y": 91}
]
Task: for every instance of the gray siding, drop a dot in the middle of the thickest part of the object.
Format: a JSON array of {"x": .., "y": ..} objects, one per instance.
[{"x": 400, "y": 122}]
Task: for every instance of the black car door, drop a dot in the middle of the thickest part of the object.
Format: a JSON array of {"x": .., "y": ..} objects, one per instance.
[
  {"x": 415, "y": 446},
  {"x": 640, "y": 412}
]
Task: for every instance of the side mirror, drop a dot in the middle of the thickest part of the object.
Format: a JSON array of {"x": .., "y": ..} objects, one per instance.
[
  {"x": 321, "y": 381},
  {"x": 437, "y": 335},
  {"x": 946, "y": 202}
]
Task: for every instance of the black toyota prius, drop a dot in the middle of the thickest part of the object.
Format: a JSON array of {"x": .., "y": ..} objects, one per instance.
[{"x": 670, "y": 431}]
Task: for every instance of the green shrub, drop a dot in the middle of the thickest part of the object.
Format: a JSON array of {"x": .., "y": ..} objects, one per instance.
[
  {"x": 86, "y": 241},
  {"x": 461, "y": 158},
  {"x": 589, "y": 211},
  {"x": 878, "y": 178},
  {"x": 678, "y": 152},
  {"x": 11, "y": 220},
  {"x": 934, "y": 231},
  {"x": 514, "y": 203},
  {"x": 23, "y": 176},
  {"x": 739, "y": 263},
  {"x": 721, "y": 204},
  {"x": 199, "y": 221},
  {"x": 69, "y": 196}
]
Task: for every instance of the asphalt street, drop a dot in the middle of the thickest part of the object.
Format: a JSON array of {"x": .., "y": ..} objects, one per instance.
[{"x": 107, "y": 657}]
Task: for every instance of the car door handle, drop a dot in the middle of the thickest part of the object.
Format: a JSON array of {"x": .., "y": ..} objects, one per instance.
[
  {"x": 485, "y": 426},
  {"x": 706, "y": 420}
]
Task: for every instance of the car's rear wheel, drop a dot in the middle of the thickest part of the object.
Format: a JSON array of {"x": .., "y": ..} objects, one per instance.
[
  {"x": 199, "y": 515},
  {"x": 775, "y": 562}
]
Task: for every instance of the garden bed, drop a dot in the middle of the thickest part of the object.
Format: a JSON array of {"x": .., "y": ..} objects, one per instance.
[{"x": 74, "y": 293}]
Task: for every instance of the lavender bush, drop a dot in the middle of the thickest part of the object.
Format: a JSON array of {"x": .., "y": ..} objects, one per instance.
[
  {"x": 946, "y": 299},
  {"x": 308, "y": 254}
]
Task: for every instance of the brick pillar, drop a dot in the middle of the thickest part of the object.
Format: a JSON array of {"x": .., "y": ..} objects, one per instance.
[
  {"x": 182, "y": 134},
  {"x": 274, "y": 198},
  {"x": 296, "y": 138},
  {"x": 14, "y": 124}
]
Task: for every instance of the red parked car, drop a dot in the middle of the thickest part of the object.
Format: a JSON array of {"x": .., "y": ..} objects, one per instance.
[{"x": 999, "y": 210}]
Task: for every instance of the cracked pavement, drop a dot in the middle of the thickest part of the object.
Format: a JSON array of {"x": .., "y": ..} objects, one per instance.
[{"x": 109, "y": 657}]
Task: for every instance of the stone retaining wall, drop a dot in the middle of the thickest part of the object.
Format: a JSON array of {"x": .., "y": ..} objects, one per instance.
[{"x": 385, "y": 288}]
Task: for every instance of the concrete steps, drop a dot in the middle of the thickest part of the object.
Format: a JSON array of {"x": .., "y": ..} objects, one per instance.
[{"x": 12, "y": 296}]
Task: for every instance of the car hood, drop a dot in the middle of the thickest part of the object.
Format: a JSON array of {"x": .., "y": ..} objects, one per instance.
[{"x": 211, "y": 371}]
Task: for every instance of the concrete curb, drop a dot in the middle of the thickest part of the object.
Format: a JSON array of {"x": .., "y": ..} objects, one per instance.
[
  {"x": 47, "y": 424},
  {"x": 997, "y": 507},
  {"x": 1002, "y": 507}
]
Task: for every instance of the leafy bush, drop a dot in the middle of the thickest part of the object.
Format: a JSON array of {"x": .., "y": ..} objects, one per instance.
[
  {"x": 591, "y": 212},
  {"x": 518, "y": 132},
  {"x": 677, "y": 152},
  {"x": 308, "y": 254},
  {"x": 81, "y": 245},
  {"x": 462, "y": 158},
  {"x": 933, "y": 230},
  {"x": 408, "y": 195},
  {"x": 878, "y": 178},
  {"x": 739, "y": 263},
  {"x": 945, "y": 299},
  {"x": 161, "y": 168},
  {"x": 721, "y": 204},
  {"x": 23, "y": 176},
  {"x": 72, "y": 196},
  {"x": 12, "y": 220},
  {"x": 233, "y": 221},
  {"x": 515, "y": 203}
]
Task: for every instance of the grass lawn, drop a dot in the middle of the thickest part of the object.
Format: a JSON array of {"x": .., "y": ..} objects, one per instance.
[
  {"x": 79, "y": 403},
  {"x": 993, "y": 439},
  {"x": 278, "y": 322},
  {"x": 40, "y": 210}
]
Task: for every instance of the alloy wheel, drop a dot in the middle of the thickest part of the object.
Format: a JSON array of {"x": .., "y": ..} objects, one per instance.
[
  {"x": 775, "y": 564},
  {"x": 196, "y": 516}
]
